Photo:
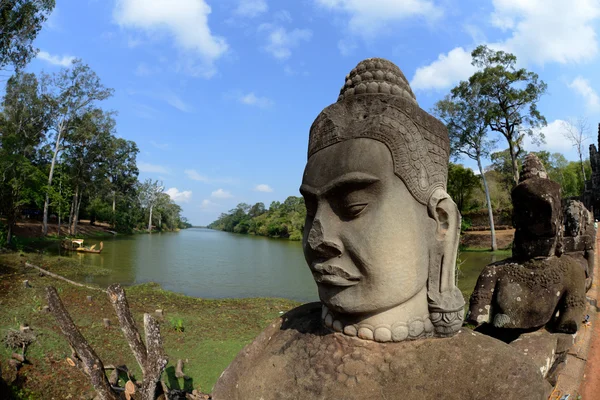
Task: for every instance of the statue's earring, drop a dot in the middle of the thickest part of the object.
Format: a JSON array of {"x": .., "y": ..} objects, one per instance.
[{"x": 446, "y": 303}]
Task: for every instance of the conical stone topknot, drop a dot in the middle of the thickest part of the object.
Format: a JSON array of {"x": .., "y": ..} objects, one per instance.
[
  {"x": 376, "y": 75},
  {"x": 532, "y": 168}
]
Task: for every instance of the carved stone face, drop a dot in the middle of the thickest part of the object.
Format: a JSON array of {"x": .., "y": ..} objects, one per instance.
[{"x": 366, "y": 239}]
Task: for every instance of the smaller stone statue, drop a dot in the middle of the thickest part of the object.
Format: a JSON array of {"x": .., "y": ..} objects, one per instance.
[
  {"x": 539, "y": 286},
  {"x": 580, "y": 237}
]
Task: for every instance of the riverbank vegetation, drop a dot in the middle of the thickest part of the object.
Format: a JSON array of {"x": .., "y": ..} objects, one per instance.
[
  {"x": 205, "y": 334},
  {"x": 280, "y": 220},
  {"x": 61, "y": 159}
]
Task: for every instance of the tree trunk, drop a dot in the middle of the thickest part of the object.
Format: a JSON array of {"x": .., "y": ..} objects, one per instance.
[
  {"x": 150, "y": 221},
  {"x": 489, "y": 205},
  {"x": 114, "y": 208},
  {"x": 76, "y": 216},
  {"x": 47, "y": 201},
  {"x": 72, "y": 217},
  {"x": 83, "y": 354},
  {"x": 9, "y": 234},
  {"x": 515, "y": 165}
]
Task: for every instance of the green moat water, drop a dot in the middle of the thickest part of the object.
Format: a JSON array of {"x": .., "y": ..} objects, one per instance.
[{"x": 213, "y": 264}]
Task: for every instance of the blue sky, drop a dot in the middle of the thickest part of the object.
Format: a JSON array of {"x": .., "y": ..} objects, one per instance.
[{"x": 220, "y": 95}]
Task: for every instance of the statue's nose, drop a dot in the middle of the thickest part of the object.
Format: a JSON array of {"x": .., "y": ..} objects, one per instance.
[{"x": 321, "y": 243}]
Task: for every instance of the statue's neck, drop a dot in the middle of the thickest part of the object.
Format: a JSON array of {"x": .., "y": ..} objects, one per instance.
[{"x": 407, "y": 321}]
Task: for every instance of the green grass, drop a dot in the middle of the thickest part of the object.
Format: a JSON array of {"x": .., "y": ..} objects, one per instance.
[{"x": 214, "y": 330}]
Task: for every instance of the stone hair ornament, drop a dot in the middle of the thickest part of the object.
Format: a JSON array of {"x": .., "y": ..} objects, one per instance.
[{"x": 376, "y": 102}]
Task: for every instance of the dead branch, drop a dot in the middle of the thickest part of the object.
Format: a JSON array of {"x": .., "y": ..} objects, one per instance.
[
  {"x": 156, "y": 360},
  {"x": 53, "y": 275},
  {"x": 117, "y": 297},
  {"x": 179, "y": 370},
  {"x": 91, "y": 363}
]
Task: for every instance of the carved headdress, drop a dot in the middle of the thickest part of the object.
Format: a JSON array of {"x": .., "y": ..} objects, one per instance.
[{"x": 376, "y": 102}]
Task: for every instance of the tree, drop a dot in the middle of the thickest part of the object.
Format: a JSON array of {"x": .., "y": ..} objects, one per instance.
[
  {"x": 464, "y": 112},
  {"x": 23, "y": 121},
  {"x": 148, "y": 194},
  {"x": 461, "y": 183},
  {"x": 511, "y": 96},
  {"x": 576, "y": 131},
  {"x": 20, "y": 23},
  {"x": 86, "y": 156},
  {"x": 70, "y": 93}
]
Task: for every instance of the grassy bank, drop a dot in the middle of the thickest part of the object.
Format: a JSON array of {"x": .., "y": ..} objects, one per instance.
[{"x": 205, "y": 333}]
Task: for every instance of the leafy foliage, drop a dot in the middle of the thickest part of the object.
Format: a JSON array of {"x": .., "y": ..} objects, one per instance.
[
  {"x": 461, "y": 184},
  {"x": 20, "y": 23},
  {"x": 281, "y": 220}
]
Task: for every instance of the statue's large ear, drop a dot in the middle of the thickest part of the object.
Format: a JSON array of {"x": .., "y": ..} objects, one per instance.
[{"x": 446, "y": 303}]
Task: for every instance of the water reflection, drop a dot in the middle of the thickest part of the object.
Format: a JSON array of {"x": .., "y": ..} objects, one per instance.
[{"x": 213, "y": 264}]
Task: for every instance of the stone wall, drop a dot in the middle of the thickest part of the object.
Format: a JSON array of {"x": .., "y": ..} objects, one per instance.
[{"x": 591, "y": 196}]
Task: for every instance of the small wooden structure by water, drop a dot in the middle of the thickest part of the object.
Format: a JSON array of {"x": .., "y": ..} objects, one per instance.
[{"x": 77, "y": 245}]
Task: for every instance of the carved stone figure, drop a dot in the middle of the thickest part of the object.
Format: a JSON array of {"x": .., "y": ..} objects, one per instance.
[
  {"x": 380, "y": 239},
  {"x": 580, "y": 237},
  {"x": 535, "y": 287}
]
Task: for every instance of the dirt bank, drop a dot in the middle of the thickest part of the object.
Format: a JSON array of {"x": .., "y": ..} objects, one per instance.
[
  {"x": 477, "y": 240},
  {"x": 33, "y": 229}
]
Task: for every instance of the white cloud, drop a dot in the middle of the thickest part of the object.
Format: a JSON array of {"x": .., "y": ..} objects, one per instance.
[
  {"x": 194, "y": 175},
  {"x": 208, "y": 205},
  {"x": 263, "y": 188},
  {"x": 366, "y": 18},
  {"x": 251, "y": 8},
  {"x": 539, "y": 32},
  {"x": 221, "y": 194},
  {"x": 445, "y": 71},
  {"x": 179, "y": 197},
  {"x": 63, "y": 61},
  {"x": 583, "y": 88},
  {"x": 281, "y": 41},
  {"x": 175, "y": 101},
  {"x": 186, "y": 21},
  {"x": 252, "y": 100},
  {"x": 555, "y": 140},
  {"x": 151, "y": 168},
  {"x": 548, "y": 30}
]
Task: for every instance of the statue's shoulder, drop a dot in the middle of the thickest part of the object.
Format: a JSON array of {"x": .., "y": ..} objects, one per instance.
[{"x": 296, "y": 358}]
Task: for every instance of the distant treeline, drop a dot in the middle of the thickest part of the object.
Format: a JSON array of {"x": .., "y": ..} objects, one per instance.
[{"x": 281, "y": 220}]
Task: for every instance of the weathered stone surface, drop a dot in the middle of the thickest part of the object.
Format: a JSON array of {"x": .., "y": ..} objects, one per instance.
[
  {"x": 580, "y": 237},
  {"x": 541, "y": 346},
  {"x": 380, "y": 238},
  {"x": 381, "y": 233},
  {"x": 527, "y": 291},
  {"x": 528, "y": 295},
  {"x": 537, "y": 213},
  {"x": 296, "y": 358},
  {"x": 591, "y": 195}
]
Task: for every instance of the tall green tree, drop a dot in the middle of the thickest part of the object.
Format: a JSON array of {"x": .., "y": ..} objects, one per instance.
[
  {"x": 23, "y": 123},
  {"x": 149, "y": 193},
  {"x": 461, "y": 184},
  {"x": 85, "y": 157},
  {"x": 20, "y": 23},
  {"x": 511, "y": 95},
  {"x": 464, "y": 111},
  {"x": 70, "y": 93}
]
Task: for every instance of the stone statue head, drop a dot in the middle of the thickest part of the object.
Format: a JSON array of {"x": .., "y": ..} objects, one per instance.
[
  {"x": 537, "y": 213},
  {"x": 381, "y": 233}
]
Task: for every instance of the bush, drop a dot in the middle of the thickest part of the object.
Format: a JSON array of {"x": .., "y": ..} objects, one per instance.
[{"x": 465, "y": 224}]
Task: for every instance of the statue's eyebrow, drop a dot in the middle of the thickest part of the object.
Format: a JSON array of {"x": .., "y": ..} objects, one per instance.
[{"x": 346, "y": 179}]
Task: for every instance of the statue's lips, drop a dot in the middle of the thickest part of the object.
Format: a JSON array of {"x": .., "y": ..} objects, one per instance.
[{"x": 333, "y": 275}]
